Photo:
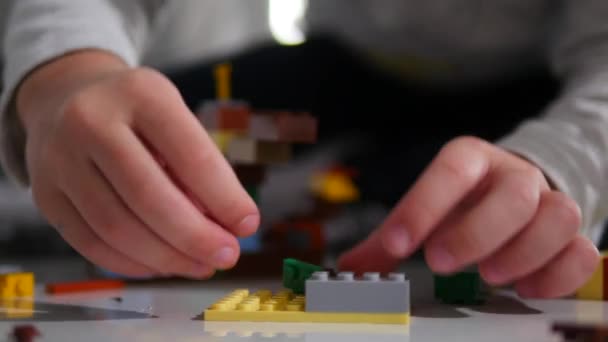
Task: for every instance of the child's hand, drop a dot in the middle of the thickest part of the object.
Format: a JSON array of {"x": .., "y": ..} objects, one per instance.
[
  {"x": 98, "y": 134},
  {"x": 479, "y": 204}
]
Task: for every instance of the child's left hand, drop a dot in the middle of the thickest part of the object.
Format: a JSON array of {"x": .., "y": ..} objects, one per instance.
[{"x": 479, "y": 204}]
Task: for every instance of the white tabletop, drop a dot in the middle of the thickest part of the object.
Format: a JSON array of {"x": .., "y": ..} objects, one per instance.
[{"x": 170, "y": 311}]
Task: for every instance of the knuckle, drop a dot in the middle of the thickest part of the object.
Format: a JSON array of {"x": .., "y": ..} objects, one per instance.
[
  {"x": 78, "y": 113},
  {"x": 524, "y": 192},
  {"x": 467, "y": 143},
  {"x": 468, "y": 246},
  {"x": 143, "y": 83},
  {"x": 463, "y": 159},
  {"x": 418, "y": 218},
  {"x": 567, "y": 211}
]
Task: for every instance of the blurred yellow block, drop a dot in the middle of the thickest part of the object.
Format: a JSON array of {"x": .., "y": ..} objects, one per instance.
[
  {"x": 335, "y": 188},
  {"x": 16, "y": 285},
  {"x": 594, "y": 289},
  {"x": 222, "y": 139},
  {"x": 264, "y": 306}
]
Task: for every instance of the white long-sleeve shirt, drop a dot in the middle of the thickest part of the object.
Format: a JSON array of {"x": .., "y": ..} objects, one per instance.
[{"x": 455, "y": 41}]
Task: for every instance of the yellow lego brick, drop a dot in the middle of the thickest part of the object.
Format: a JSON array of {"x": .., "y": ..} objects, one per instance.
[
  {"x": 263, "y": 306},
  {"x": 16, "y": 285},
  {"x": 13, "y": 308},
  {"x": 335, "y": 188},
  {"x": 222, "y": 139},
  {"x": 594, "y": 288}
]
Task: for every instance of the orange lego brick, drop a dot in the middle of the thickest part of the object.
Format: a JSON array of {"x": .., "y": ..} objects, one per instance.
[{"x": 81, "y": 286}]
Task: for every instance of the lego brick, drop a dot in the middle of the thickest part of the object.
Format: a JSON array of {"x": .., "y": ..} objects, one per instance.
[
  {"x": 252, "y": 190},
  {"x": 87, "y": 285},
  {"x": 283, "y": 127},
  {"x": 263, "y": 306},
  {"x": 233, "y": 116},
  {"x": 250, "y": 174},
  {"x": 16, "y": 308},
  {"x": 25, "y": 333},
  {"x": 16, "y": 285},
  {"x": 222, "y": 73},
  {"x": 221, "y": 139},
  {"x": 295, "y": 274},
  {"x": 594, "y": 288},
  {"x": 298, "y": 233},
  {"x": 244, "y": 150},
  {"x": 581, "y": 332},
  {"x": 459, "y": 288},
  {"x": 335, "y": 187},
  {"x": 347, "y": 293}
]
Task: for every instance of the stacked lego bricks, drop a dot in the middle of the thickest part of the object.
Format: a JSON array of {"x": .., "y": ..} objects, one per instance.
[
  {"x": 343, "y": 298},
  {"x": 254, "y": 140}
]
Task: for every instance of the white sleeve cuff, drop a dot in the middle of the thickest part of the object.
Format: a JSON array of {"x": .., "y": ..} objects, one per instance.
[
  {"x": 552, "y": 146},
  {"x": 42, "y": 30}
]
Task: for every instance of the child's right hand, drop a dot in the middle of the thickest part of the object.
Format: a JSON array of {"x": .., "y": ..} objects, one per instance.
[{"x": 98, "y": 136}]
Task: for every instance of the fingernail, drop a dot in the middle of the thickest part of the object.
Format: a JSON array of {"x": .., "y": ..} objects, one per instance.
[
  {"x": 224, "y": 257},
  {"x": 442, "y": 259},
  {"x": 397, "y": 241},
  {"x": 249, "y": 224}
]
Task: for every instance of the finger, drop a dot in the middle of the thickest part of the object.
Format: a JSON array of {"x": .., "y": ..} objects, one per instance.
[
  {"x": 553, "y": 227},
  {"x": 79, "y": 235},
  {"x": 198, "y": 164},
  {"x": 114, "y": 223},
  {"x": 158, "y": 203},
  {"x": 499, "y": 215},
  {"x": 368, "y": 256},
  {"x": 457, "y": 170},
  {"x": 565, "y": 274}
]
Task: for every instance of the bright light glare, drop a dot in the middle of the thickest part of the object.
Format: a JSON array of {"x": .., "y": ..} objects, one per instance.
[{"x": 284, "y": 17}]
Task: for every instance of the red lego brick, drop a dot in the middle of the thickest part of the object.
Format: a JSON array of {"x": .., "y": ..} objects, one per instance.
[
  {"x": 283, "y": 126},
  {"x": 25, "y": 333},
  {"x": 233, "y": 116},
  {"x": 250, "y": 174},
  {"x": 81, "y": 286}
]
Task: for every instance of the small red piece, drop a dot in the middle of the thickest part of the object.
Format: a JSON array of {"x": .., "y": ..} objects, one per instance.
[
  {"x": 81, "y": 286},
  {"x": 25, "y": 333}
]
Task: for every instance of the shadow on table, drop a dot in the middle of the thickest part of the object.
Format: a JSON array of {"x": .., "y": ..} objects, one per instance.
[
  {"x": 494, "y": 304},
  {"x": 21, "y": 310}
]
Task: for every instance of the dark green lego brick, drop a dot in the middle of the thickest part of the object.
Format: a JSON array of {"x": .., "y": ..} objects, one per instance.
[
  {"x": 459, "y": 288},
  {"x": 295, "y": 274},
  {"x": 252, "y": 190}
]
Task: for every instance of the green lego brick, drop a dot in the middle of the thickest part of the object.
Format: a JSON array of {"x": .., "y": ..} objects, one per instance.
[
  {"x": 252, "y": 190},
  {"x": 295, "y": 274},
  {"x": 459, "y": 288}
]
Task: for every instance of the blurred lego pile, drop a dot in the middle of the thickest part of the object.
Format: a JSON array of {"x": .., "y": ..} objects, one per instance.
[{"x": 255, "y": 141}]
